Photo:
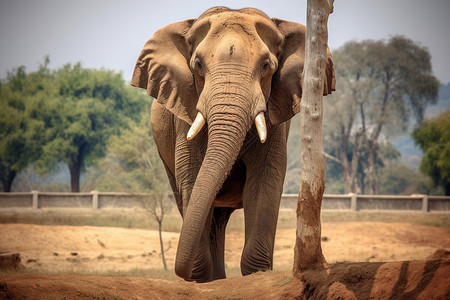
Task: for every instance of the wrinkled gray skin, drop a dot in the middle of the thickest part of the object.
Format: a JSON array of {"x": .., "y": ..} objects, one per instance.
[{"x": 229, "y": 66}]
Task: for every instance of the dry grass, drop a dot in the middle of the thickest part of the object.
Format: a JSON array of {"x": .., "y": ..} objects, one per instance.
[
  {"x": 126, "y": 218},
  {"x": 137, "y": 218},
  {"x": 134, "y": 218}
]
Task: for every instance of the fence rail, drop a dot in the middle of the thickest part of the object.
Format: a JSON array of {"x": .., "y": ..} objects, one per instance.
[
  {"x": 354, "y": 202},
  {"x": 99, "y": 200}
]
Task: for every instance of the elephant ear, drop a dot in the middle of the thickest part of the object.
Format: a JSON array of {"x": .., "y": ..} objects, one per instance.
[
  {"x": 286, "y": 93},
  {"x": 163, "y": 69}
]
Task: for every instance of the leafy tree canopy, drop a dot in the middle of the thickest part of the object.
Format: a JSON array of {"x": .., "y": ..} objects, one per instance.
[
  {"x": 433, "y": 137},
  {"x": 88, "y": 107},
  {"x": 66, "y": 115},
  {"x": 382, "y": 86},
  {"x": 22, "y": 130},
  {"x": 132, "y": 163}
]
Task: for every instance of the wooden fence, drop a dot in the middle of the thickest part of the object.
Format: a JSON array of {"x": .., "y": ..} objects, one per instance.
[{"x": 100, "y": 200}]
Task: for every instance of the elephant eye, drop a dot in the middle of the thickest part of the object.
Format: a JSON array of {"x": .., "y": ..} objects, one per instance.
[
  {"x": 198, "y": 65},
  {"x": 266, "y": 66}
]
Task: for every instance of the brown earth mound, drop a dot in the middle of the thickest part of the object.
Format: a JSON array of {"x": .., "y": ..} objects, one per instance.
[
  {"x": 393, "y": 280},
  {"x": 370, "y": 260}
]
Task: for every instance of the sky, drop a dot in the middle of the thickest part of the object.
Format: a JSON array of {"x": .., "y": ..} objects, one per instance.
[{"x": 110, "y": 33}]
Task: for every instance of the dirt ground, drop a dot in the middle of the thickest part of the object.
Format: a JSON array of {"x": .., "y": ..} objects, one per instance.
[{"x": 368, "y": 260}]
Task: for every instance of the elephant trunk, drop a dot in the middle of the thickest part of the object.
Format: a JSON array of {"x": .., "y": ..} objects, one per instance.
[{"x": 227, "y": 127}]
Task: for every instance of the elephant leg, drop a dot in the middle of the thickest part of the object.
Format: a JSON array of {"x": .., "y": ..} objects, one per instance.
[
  {"x": 163, "y": 128},
  {"x": 173, "y": 185},
  {"x": 203, "y": 263},
  {"x": 261, "y": 200},
  {"x": 188, "y": 160},
  {"x": 219, "y": 222},
  {"x": 209, "y": 262}
]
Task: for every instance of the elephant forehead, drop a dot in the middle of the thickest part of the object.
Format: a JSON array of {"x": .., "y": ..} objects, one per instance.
[
  {"x": 220, "y": 19},
  {"x": 247, "y": 24},
  {"x": 235, "y": 21},
  {"x": 221, "y": 9}
]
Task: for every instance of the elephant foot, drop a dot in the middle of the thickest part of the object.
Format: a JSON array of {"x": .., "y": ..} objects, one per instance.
[
  {"x": 253, "y": 261},
  {"x": 219, "y": 274},
  {"x": 247, "y": 269},
  {"x": 202, "y": 271},
  {"x": 201, "y": 276}
]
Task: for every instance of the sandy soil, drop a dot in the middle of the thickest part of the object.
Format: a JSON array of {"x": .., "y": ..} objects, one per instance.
[{"x": 369, "y": 260}]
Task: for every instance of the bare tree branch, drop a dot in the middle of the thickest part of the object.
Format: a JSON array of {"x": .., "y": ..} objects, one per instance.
[{"x": 331, "y": 157}]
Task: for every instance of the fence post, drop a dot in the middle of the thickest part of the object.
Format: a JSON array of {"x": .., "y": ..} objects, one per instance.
[
  {"x": 35, "y": 199},
  {"x": 425, "y": 203},
  {"x": 353, "y": 201},
  {"x": 94, "y": 199}
]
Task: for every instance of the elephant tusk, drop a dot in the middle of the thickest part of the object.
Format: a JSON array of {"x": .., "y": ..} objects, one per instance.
[
  {"x": 197, "y": 125},
  {"x": 260, "y": 123}
]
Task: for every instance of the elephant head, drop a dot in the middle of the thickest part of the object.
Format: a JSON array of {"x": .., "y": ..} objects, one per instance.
[{"x": 229, "y": 69}]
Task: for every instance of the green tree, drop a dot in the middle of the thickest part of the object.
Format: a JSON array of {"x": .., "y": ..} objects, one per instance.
[
  {"x": 433, "y": 137},
  {"x": 22, "y": 97},
  {"x": 382, "y": 87},
  {"x": 87, "y": 108},
  {"x": 133, "y": 165}
]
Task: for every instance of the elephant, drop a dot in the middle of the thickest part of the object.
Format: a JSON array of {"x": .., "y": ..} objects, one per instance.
[{"x": 225, "y": 87}]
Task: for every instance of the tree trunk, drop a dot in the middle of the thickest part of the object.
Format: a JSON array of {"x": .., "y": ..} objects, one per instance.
[
  {"x": 344, "y": 162},
  {"x": 355, "y": 161},
  {"x": 7, "y": 184},
  {"x": 371, "y": 172},
  {"x": 163, "y": 257},
  {"x": 362, "y": 183},
  {"x": 373, "y": 139},
  {"x": 349, "y": 168},
  {"x": 75, "y": 170},
  {"x": 308, "y": 250}
]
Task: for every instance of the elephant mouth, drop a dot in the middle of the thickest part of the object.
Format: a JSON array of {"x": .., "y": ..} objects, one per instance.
[
  {"x": 199, "y": 122},
  {"x": 231, "y": 191},
  {"x": 230, "y": 194}
]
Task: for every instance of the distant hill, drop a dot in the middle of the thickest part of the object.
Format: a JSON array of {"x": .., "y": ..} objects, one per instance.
[
  {"x": 444, "y": 91},
  {"x": 442, "y": 104},
  {"x": 411, "y": 154}
]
